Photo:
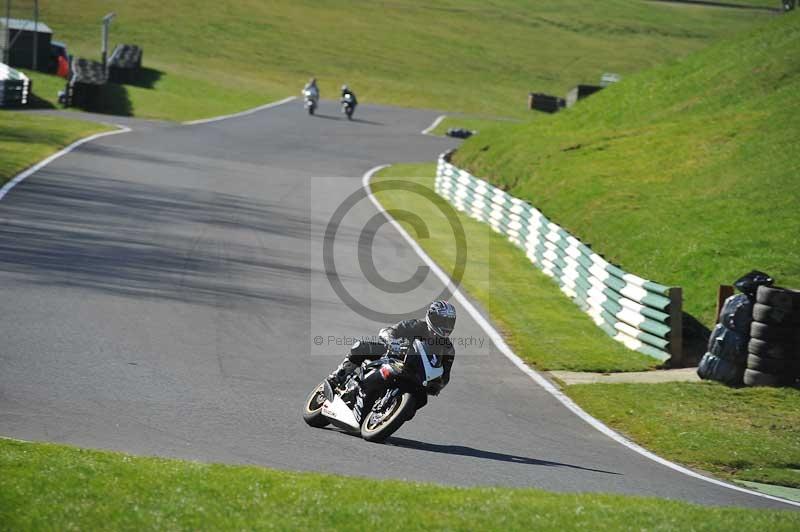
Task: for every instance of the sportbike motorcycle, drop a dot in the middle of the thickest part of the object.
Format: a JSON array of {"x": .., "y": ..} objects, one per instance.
[
  {"x": 380, "y": 395},
  {"x": 348, "y": 106},
  {"x": 310, "y": 99}
]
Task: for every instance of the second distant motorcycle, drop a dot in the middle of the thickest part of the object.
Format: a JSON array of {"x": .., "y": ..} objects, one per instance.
[{"x": 349, "y": 102}]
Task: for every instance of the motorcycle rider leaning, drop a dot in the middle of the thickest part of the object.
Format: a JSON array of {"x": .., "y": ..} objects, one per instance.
[
  {"x": 433, "y": 331},
  {"x": 345, "y": 91}
]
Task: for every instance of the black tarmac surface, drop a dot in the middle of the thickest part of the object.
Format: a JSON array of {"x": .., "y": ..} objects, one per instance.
[{"x": 161, "y": 290}]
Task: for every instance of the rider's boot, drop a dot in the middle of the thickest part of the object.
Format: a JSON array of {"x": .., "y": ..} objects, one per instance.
[{"x": 340, "y": 374}]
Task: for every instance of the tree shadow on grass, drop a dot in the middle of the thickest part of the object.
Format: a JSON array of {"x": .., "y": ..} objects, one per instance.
[
  {"x": 145, "y": 78},
  {"x": 37, "y": 102},
  {"x": 695, "y": 339}
]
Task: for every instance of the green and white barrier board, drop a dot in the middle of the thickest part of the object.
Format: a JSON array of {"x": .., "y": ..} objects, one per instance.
[
  {"x": 642, "y": 314},
  {"x": 14, "y": 87}
]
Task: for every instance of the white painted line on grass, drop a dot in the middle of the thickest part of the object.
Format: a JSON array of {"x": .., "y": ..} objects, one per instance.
[
  {"x": 539, "y": 379},
  {"x": 41, "y": 164},
  {"x": 433, "y": 126},
  {"x": 243, "y": 113}
]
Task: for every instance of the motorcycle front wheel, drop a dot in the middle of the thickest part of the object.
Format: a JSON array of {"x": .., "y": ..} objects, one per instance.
[
  {"x": 381, "y": 423},
  {"x": 312, "y": 410}
]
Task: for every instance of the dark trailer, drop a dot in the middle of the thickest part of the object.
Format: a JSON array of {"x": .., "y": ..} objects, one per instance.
[{"x": 20, "y": 39}]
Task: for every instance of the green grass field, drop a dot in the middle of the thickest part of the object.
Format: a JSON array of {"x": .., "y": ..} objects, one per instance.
[
  {"x": 26, "y": 139},
  {"x": 773, "y": 4},
  {"x": 686, "y": 174},
  {"x": 205, "y": 58},
  {"x": 740, "y": 434},
  {"x": 46, "y": 486}
]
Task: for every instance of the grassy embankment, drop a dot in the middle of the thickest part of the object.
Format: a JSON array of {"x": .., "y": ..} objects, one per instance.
[
  {"x": 45, "y": 486},
  {"x": 546, "y": 329},
  {"x": 686, "y": 174},
  {"x": 740, "y": 434},
  {"x": 711, "y": 135},
  {"x": 204, "y": 58},
  {"x": 748, "y": 434},
  {"x": 25, "y": 139}
]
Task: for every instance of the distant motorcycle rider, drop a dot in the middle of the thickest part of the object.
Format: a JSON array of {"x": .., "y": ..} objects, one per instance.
[
  {"x": 312, "y": 87},
  {"x": 345, "y": 91},
  {"x": 433, "y": 331}
]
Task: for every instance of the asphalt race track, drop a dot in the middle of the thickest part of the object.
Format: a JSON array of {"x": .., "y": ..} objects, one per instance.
[{"x": 160, "y": 292}]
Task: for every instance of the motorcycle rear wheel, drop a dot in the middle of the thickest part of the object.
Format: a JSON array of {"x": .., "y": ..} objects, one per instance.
[
  {"x": 312, "y": 409},
  {"x": 398, "y": 412}
]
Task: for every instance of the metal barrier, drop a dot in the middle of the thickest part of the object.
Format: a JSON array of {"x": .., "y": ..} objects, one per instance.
[{"x": 644, "y": 315}]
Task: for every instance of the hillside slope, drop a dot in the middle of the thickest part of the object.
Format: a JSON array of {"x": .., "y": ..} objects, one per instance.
[
  {"x": 688, "y": 174},
  {"x": 458, "y": 55}
]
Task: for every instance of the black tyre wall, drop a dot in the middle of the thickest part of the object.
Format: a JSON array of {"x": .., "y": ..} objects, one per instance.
[
  {"x": 774, "y": 366},
  {"x": 775, "y": 316},
  {"x": 783, "y": 298},
  {"x": 757, "y": 378},
  {"x": 775, "y": 333},
  {"x": 771, "y": 349}
]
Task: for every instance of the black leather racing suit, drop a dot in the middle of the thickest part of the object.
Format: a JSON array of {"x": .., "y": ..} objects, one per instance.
[
  {"x": 354, "y": 100},
  {"x": 408, "y": 331}
]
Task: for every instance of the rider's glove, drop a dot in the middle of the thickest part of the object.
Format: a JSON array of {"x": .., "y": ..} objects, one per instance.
[{"x": 397, "y": 346}]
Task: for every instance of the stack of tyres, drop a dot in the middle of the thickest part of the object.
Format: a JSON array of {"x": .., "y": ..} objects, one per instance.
[
  {"x": 86, "y": 82},
  {"x": 124, "y": 64},
  {"x": 774, "y": 348}
]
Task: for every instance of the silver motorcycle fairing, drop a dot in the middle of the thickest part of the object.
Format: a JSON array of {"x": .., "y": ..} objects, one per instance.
[
  {"x": 335, "y": 409},
  {"x": 430, "y": 363},
  {"x": 338, "y": 410}
]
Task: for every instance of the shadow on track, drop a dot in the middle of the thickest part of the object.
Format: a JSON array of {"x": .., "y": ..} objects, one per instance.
[
  {"x": 461, "y": 450},
  {"x": 370, "y": 122},
  {"x": 155, "y": 242},
  {"x": 357, "y": 120}
]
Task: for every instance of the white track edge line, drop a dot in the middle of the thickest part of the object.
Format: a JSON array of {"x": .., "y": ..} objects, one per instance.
[
  {"x": 41, "y": 164},
  {"x": 433, "y": 126},
  {"x": 537, "y": 378},
  {"x": 243, "y": 113}
]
